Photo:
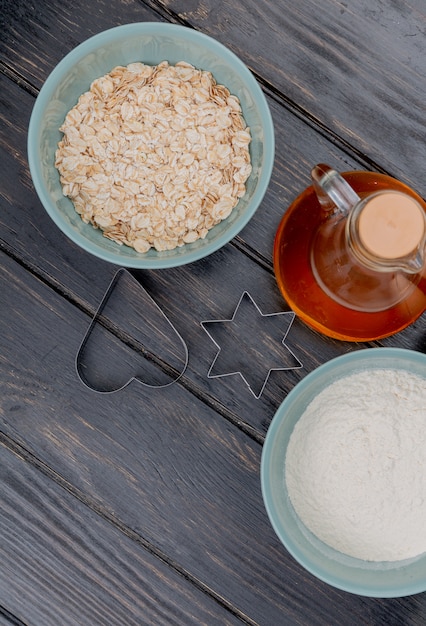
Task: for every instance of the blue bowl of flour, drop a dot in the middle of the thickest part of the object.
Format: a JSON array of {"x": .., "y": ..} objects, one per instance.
[{"x": 362, "y": 576}]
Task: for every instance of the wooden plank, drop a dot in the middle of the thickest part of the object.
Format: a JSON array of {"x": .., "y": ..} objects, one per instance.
[
  {"x": 61, "y": 563},
  {"x": 162, "y": 463},
  {"x": 35, "y": 39},
  {"x": 356, "y": 68}
]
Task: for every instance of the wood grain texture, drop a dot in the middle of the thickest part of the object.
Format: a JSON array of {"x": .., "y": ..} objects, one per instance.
[
  {"x": 166, "y": 466},
  {"x": 61, "y": 563},
  {"x": 36, "y": 36},
  {"x": 145, "y": 505}
]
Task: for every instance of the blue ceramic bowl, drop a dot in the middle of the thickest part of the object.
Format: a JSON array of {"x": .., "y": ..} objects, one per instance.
[
  {"x": 383, "y": 580},
  {"x": 150, "y": 43}
]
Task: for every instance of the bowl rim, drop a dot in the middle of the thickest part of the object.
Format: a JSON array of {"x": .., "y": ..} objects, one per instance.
[
  {"x": 167, "y": 259},
  {"x": 360, "y": 357}
]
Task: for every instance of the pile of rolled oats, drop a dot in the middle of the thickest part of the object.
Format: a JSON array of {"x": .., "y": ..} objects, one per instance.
[{"x": 155, "y": 156}]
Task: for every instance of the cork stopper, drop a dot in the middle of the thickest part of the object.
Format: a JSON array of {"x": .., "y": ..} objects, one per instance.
[{"x": 391, "y": 225}]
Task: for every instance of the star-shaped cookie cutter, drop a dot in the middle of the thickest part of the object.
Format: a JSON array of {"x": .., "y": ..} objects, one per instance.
[{"x": 251, "y": 343}]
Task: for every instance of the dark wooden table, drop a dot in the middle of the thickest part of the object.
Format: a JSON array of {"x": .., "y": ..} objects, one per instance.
[{"x": 144, "y": 506}]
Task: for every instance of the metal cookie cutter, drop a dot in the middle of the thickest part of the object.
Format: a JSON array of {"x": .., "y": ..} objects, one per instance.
[
  {"x": 251, "y": 344},
  {"x": 130, "y": 338}
]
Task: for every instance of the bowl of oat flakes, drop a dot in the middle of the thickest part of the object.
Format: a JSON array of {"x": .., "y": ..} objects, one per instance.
[{"x": 151, "y": 145}]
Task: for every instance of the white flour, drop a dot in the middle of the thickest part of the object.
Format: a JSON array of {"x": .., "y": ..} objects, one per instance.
[{"x": 356, "y": 465}]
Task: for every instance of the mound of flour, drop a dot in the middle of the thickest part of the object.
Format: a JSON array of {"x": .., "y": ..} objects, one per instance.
[{"x": 355, "y": 467}]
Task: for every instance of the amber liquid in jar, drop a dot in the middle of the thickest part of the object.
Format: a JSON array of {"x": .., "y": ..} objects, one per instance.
[{"x": 296, "y": 281}]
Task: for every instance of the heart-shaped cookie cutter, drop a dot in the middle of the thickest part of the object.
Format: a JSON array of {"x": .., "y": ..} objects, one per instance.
[{"x": 108, "y": 345}]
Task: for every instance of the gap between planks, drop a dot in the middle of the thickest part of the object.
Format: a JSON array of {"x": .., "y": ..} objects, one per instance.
[{"x": 21, "y": 452}]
